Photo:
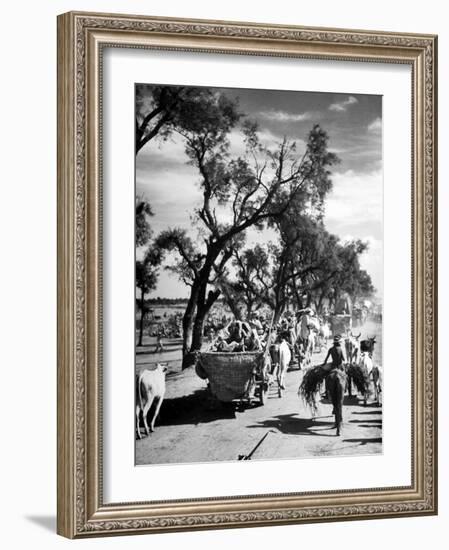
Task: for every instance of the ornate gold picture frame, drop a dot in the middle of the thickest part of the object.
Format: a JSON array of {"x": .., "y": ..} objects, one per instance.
[{"x": 82, "y": 38}]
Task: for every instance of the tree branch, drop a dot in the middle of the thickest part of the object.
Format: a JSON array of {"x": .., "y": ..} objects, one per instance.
[{"x": 163, "y": 120}]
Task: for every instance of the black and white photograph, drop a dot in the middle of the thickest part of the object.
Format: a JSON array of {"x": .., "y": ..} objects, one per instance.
[{"x": 259, "y": 274}]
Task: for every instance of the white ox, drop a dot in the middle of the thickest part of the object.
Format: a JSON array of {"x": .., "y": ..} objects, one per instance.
[
  {"x": 150, "y": 390},
  {"x": 377, "y": 377},
  {"x": 352, "y": 348},
  {"x": 366, "y": 364},
  {"x": 285, "y": 356},
  {"x": 281, "y": 356},
  {"x": 308, "y": 329},
  {"x": 324, "y": 333}
]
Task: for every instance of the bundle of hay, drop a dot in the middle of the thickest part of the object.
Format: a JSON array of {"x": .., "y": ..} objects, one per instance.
[
  {"x": 311, "y": 383},
  {"x": 360, "y": 378}
]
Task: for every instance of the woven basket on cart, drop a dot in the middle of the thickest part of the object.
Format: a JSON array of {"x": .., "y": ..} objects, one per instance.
[{"x": 230, "y": 374}]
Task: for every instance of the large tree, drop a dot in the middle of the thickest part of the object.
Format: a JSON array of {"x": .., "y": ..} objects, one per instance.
[
  {"x": 346, "y": 275},
  {"x": 238, "y": 193},
  {"x": 305, "y": 266},
  {"x": 273, "y": 274},
  {"x": 147, "y": 267},
  {"x": 280, "y": 272}
]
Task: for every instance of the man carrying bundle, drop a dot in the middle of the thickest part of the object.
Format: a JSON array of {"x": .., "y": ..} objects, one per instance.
[
  {"x": 338, "y": 358},
  {"x": 336, "y": 354}
]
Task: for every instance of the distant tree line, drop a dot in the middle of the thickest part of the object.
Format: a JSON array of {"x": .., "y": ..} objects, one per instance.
[{"x": 166, "y": 301}]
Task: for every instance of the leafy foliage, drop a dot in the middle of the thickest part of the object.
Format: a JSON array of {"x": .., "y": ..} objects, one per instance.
[
  {"x": 160, "y": 110},
  {"x": 143, "y": 228},
  {"x": 307, "y": 260}
]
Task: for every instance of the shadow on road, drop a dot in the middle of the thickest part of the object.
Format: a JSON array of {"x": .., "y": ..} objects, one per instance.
[
  {"x": 370, "y": 425},
  {"x": 373, "y": 421},
  {"x": 195, "y": 408},
  {"x": 349, "y": 400},
  {"x": 362, "y": 441},
  {"x": 291, "y": 424}
]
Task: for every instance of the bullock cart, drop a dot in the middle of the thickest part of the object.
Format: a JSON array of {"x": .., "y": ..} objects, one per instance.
[
  {"x": 340, "y": 324},
  {"x": 242, "y": 376}
]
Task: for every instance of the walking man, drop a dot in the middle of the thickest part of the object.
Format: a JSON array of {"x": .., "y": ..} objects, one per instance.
[
  {"x": 160, "y": 344},
  {"x": 337, "y": 356}
]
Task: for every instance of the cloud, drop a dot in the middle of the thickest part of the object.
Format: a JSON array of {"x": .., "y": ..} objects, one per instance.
[
  {"x": 283, "y": 116},
  {"x": 373, "y": 262},
  {"x": 356, "y": 199},
  {"x": 237, "y": 141},
  {"x": 354, "y": 210},
  {"x": 375, "y": 126},
  {"x": 339, "y": 151},
  {"x": 343, "y": 105},
  {"x": 164, "y": 177}
]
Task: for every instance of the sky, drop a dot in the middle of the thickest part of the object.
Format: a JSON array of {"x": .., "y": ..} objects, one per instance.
[{"x": 354, "y": 207}]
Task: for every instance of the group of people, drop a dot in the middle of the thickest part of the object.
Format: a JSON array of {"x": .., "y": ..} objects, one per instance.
[
  {"x": 303, "y": 331},
  {"x": 240, "y": 336},
  {"x": 300, "y": 330}
]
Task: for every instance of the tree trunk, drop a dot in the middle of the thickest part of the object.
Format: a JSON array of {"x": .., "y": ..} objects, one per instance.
[
  {"x": 249, "y": 309},
  {"x": 297, "y": 296},
  {"x": 232, "y": 304},
  {"x": 280, "y": 298},
  {"x": 198, "y": 331},
  {"x": 202, "y": 305},
  {"x": 320, "y": 303},
  {"x": 278, "y": 310},
  {"x": 235, "y": 310},
  {"x": 187, "y": 329},
  {"x": 203, "y": 308},
  {"x": 198, "y": 326},
  {"x": 142, "y": 318}
]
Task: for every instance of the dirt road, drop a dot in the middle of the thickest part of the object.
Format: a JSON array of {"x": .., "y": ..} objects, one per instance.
[{"x": 194, "y": 428}]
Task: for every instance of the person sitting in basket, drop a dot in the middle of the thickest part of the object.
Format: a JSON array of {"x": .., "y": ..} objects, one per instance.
[
  {"x": 252, "y": 342},
  {"x": 222, "y": 345},
  {"x": 231, "y": 340}
]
